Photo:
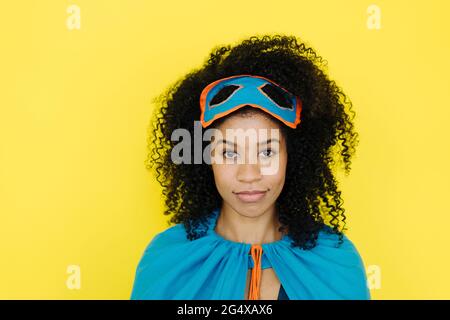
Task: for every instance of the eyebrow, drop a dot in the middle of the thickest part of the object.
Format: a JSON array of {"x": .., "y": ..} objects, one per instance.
[{"x": 232, "y": 143}]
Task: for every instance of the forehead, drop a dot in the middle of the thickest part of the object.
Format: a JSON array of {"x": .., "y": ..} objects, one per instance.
[
  {"x": 253, "y": 120},
  {"x": 253, "y": 128}
]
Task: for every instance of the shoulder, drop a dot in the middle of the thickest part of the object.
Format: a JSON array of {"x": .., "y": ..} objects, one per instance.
[
  {"x": 343, "y": 251},
  {"x": 161, "y": 246},
  {"x": 342, "y": 264},
  {"x": 172, "y": 235},
  {"x": 328, "y": 238}
]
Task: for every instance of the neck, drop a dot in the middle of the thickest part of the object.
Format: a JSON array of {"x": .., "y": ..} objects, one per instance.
[{"x": 259, "y": 229}]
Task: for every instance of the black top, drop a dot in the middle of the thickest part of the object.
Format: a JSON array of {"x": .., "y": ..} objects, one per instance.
[{"x": 282, "y": 294}]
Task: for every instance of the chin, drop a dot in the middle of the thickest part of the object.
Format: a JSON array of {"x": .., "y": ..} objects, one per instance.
[{"x": 250, "y": 210}]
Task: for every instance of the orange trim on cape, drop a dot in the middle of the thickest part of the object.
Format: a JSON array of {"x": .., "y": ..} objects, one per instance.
[{"x": 255, "y": 280}]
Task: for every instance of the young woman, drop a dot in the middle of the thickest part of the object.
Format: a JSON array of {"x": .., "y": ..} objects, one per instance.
[{"x": 261, "y": 217}]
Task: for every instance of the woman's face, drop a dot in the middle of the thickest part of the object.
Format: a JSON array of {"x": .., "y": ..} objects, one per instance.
[{"x": 249, "y": 155}]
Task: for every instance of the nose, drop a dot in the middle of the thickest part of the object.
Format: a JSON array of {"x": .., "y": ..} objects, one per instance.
[{"x": 249, "y": 172}]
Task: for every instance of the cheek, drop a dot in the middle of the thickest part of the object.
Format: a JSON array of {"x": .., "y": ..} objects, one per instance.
[
  {"x": 277, "y": 180},
  {"x": 223, "y": 176}
]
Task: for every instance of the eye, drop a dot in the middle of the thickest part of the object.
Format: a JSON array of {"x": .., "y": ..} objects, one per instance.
[
  {"x": 268, "y": 153},
  {"x": 229, "y": 154}
]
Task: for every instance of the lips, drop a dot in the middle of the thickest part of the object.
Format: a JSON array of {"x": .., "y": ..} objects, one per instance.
[{"x": 251, "y": 196}]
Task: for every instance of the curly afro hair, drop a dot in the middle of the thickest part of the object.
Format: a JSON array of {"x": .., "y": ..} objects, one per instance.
[{"x": 310, "y": 199}]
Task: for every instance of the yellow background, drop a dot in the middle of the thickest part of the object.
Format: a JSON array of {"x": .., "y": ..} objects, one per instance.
[{"x": 75, "y": 105}]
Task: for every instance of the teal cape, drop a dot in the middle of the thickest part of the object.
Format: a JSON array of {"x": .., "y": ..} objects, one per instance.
[{"x": 211, "y": 267}]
